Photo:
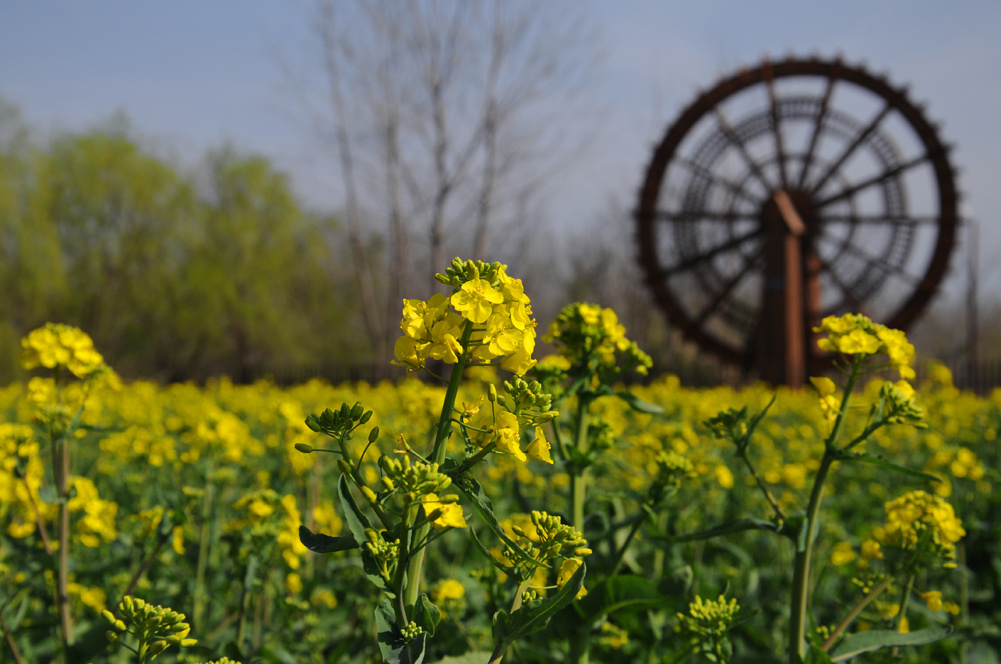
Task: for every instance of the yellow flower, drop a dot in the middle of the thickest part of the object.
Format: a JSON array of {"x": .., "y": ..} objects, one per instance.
[
  {"x": 177, "y": 541},
  {"x": 855, "y": 334},
  {"x": 933, "y": 599},
  {"x": 723, "y": 476},
  {"x": 449, "y": 515},
  {"x": 407, "y": 351},
  {"x": 842, "y": 554},
  {"x": 508, "y": 436},
  {"x": 55, "y": 345},
  {"x": 448, "y": 589},
  {"x": 567, "y": 570},
  {"x": 539, "y": 448},
  {"x": 323, "y": 598},
  {"x": 474, "y": 300}
]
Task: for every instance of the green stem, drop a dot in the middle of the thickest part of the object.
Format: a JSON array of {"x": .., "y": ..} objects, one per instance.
[
  {"x": 620, "y": 554},
  {"x": 203, "y": 550},
  {"x": 801, "y": 563},
  {"x": 62, "y": 592},
  {"x": 764, "y": 487},
  {"x": 578, "y": 476},
  {"x": 853, "y": 614},
  {"x": 905, "y": 598},
  {"x": 501, "y": 646},
  {"x": 437, "y": 456}
]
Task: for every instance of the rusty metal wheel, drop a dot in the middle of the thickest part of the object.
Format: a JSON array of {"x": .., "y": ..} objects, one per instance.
[{"x": 818, "y": 151}]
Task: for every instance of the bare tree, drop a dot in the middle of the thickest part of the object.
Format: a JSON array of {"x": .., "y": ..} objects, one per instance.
[{"x": 444, "y": 116}]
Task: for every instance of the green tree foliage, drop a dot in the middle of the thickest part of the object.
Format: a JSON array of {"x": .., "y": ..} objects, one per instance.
[{"x": 179, "y": 276}]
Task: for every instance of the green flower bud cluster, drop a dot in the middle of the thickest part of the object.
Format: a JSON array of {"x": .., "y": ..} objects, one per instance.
[
  {"x": 730, "y": 425},
  {"x": 672, "y": 468},
  {"x": 594, "y": 342},
  {"x": 385, "y": 553},
  {"x": 155, "y": 627},
  {"x": 411, "y": 631},
  {"x": 557, "y": 538},
  {"x": 413, "y": 480},
  {"x": 898, "y": 400},
  {"x": 459, "y": 272},
  {"x": 339, "y": 423},
  {"x": 707, "y": 624},
  {"x": 528, "y": 401}
]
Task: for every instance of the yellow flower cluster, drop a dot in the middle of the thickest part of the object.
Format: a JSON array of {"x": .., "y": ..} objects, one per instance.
[
  {"x": 590, "y": 337},
  {"x": 487, "y": 317},
  {"x": 96, "y": 520},
  {"x": 21, "y": 476},
  {"x": 857, "y": 335},
  {"x": 919, "y": 519},
  {"x": 449, "y": 596},
  {"x": 708, "y": 619},
  {"x": 545, "y": 538},
  {"x": 56, "y": 345}
]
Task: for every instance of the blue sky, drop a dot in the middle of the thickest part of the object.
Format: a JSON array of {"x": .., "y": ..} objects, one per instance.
[{"x": 191, "y": 74}]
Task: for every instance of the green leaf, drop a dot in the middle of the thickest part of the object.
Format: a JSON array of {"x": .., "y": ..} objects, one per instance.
[
  {"x": 48, "y": 495},
  {"x": 357, "y": 523},
  {"x": 535, "y": 616},
  {"x": 816, "y": 656},
  {"x": 426, "y": 614},
  {"x": 320, "y": 543},
  {"x": 737, "y": 526},
  {"x": 482, "y": 505},
  {"x": 889, "y": 465},
  {"x": 795, "y": 529},
  {"x": 471, "y": 657},
  {"x": 510, "y": 570},
  {"x": 861, "y": 642},
  {"x": 638, "y": 404},
  {"x": 394, "y": 649},
  {"x": 622, "y": 593}
]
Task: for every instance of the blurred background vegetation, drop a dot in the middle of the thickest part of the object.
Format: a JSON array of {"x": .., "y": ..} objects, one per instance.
[
  {"x": 217, "y": 269},
  {"x": 443, "y": 125},
  {"x": 176, "y": 275}
]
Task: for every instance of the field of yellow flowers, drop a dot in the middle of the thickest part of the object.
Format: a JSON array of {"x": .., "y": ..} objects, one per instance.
[{"x": 216, "y": 502}]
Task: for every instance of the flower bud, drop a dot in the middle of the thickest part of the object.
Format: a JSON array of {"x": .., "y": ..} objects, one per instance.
[
  {"x": 112, "y": 636},
  {"x": 373, "y": 435},
  {"x": 357, "y": 411},
  {"x": 157, "y": 647},
  {"x": 492, "y": 393},
  {"x": 304, "y": 448},
  {"x": 345, "y": 466},
  {"x": 368, "y": 493},
  {"x": 366, "y": 417},
  {"x": 109, "y": 616}
]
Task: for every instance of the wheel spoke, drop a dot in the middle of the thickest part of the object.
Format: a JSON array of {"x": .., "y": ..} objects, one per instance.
[
  {"x": 852, "y": 147},
  {"x": 876, "y": 219},
  {"x": 702, "y": 215},
  {"x": 731, "y": 136},
  {"x": 879, "y": 179},
  {"x": 733, "y": 187},
  {"x": 695, "y": 261},
  {"x": 726, "y": 290},
  {"x": 842, "y": 286},
  {"x": 874, "y": 260},
  {"x": 776, "y": 130},
  {"x": 817, "y": 130}
]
